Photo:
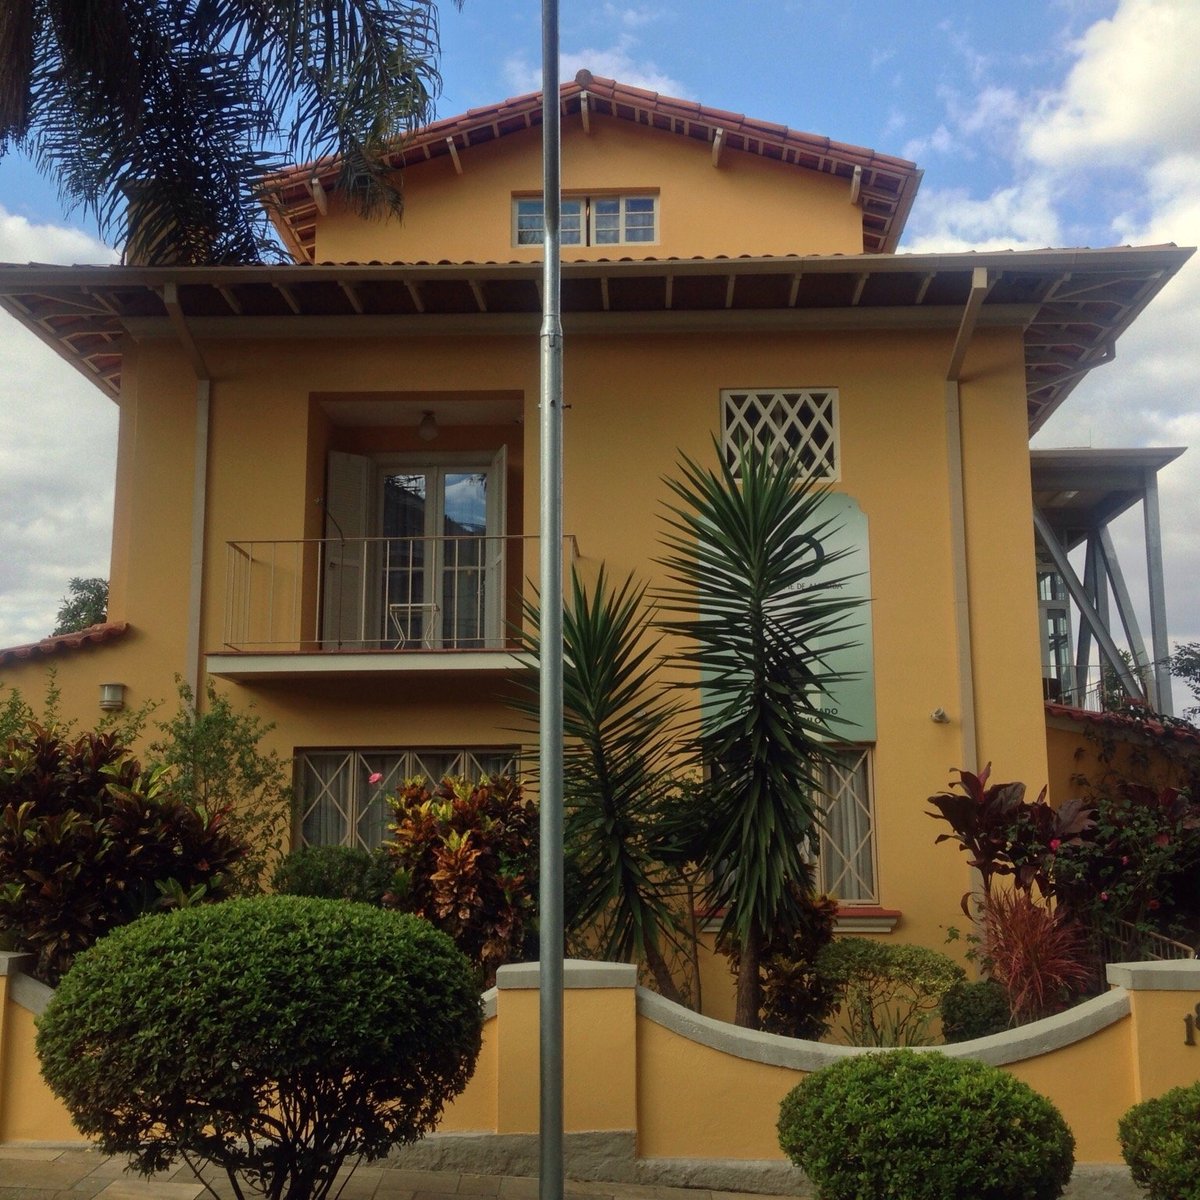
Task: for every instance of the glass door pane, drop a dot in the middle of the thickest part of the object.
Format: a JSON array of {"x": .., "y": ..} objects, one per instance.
[
  {"x": 407, "y": 614},
  {"x": 464, "y": 557}
]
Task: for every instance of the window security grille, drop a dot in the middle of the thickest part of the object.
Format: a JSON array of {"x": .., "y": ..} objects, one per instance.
[
  {"x": 846, "y": 864},
  {"x": 784, "y": 422},
  {"x": 339, "y": 806}
]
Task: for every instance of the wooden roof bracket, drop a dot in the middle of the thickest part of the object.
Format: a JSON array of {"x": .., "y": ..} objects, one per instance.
[
  {"x": 584, "y": 115},
  {"x": 458, "y": 167},
  {"x": 717, "y": 143},
  {"x": 856, "y": 185},
  {"x": 178, "y": 319},
  {"x": 320, "y": 196},
  {"x": 981, "y": 284}
]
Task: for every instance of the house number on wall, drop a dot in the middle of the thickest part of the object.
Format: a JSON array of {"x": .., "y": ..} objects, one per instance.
[{"x": 1189, "y": 1027}]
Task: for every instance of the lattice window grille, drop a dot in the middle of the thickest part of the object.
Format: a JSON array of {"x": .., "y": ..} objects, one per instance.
[
  {"x": 787, "y": 423},
  {"x": 339, "y": 806},
  {"x": 846, "y": 864}
]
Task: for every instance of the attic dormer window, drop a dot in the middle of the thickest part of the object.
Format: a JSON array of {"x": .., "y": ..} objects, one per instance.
[{"x": 589, "y": 220}]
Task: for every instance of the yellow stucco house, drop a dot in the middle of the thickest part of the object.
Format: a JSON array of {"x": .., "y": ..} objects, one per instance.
[{"x": 326, "y": 495}]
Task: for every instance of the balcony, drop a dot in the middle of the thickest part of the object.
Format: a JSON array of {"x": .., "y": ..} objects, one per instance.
[{"x": 321, "y": 606}]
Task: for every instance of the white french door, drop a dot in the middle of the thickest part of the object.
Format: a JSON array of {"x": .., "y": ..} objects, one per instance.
[{"x": 428, "y": 570}]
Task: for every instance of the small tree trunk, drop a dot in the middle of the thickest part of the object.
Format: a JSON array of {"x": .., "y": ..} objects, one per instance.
[
  {"x": 667, "y": 986},
  {"x": 749, "y": 986}
]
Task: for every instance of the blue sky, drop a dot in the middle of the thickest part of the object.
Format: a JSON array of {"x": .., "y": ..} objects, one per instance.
[{"x": 1037, "y": 122}]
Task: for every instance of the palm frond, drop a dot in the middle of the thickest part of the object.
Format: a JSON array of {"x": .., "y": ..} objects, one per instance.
[
  {"x": 762, "y": 619},
  {"x": 621, "y": 768},
  {"x": 186, "y": 104}
]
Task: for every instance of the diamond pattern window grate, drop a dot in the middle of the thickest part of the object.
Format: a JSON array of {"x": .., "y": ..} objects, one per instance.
[{"x": 784, "y": 422}]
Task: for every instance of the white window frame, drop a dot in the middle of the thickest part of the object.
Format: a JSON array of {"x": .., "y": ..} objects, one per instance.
[
  {"x": 356, "y": 799},
  {"x": 576, "y": 204},
  {"x": 807, "y": 411},
  {"x": 587, "y": 205}
]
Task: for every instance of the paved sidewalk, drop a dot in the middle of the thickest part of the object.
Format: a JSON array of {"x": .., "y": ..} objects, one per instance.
[{"x": 56, "y": 1174}]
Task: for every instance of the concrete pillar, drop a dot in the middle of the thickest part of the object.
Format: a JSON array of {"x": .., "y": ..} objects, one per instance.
[
  {"x": 599, "y": 1047},
  {"x": 1164, "y": 997}
]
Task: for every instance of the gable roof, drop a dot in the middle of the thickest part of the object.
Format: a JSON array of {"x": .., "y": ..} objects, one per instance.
[
  {"x": 1071, "y": 305},
  {"x": 885, "y": 190}
]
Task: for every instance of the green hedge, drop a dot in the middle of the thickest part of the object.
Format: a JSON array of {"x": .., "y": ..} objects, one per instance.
[
  {"x": 1160, "y": 1140},
  {"x": 904, "y": 1125},
  {"x": 272, "y": 1036}
]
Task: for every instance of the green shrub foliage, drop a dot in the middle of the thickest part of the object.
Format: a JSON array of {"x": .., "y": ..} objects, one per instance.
[
  {"x": 921, "y": 1126},
  {"x": 1160, "y": 1140},
  {"x": 334, "y": 873},
  {"x": 973, "y": 1009},
  {"x": 465, "y": 858},
  {"x": 88, "y": 841},
  {"x": 272, "y": 1036},
  {"x": 890, "y": 993},
  {"x": 799, "y": 1000},
  {"x": 214, "y": 757}
]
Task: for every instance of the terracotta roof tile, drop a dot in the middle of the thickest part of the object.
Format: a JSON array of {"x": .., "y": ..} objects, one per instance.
[
  {"x": 1145, "y": 722},
  {"x": 64, "y": 643}
]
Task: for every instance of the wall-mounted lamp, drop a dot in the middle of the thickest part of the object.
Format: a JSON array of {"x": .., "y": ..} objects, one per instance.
[
  {"x": 112, "y": 697},
  {"x": 938, "y": 716},
  {"x": 427, "y": 427}
]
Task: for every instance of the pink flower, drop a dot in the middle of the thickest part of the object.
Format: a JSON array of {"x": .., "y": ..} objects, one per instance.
[
  {"x": 1103, "y": 895},
  {"x": 1152, "y": 905},
  {"x": 375, "y": 777},
  {"x": 1054, "y": 845},
  {"x": 1125, "y": 860}
]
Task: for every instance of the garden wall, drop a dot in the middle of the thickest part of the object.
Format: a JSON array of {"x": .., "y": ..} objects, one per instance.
[{"x": 654, "y": 1090}]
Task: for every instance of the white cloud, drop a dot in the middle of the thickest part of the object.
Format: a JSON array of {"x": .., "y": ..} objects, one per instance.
[
  {"x": 23, "y": 241},
  {"x": 57, "y": 453},
  {"x": 615, "y": 62},
  {"x": 1019, "y": 217},
  {"x": 630, "y": 16},
  {"x": 1133, "y": 93}
]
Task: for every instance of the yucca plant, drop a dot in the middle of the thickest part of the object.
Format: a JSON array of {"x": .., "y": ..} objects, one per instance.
[
  {"x": 621, "y": 774},
  {"x": 761, "y": 618}
]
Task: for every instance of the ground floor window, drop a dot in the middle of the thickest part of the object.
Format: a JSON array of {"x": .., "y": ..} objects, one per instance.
[
  {"x": 846, "y": 863},
  {"x": 338, "y": 805}
]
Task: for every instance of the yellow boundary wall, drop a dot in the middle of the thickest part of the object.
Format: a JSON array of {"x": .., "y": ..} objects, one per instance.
[{"x": 686, "y": 1086}]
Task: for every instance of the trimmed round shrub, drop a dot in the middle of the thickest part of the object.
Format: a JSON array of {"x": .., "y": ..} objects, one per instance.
[
  {"x": 273, "y": 1036},
  {"x": 974, "y": 1009},
  {"x": 1160, "y": 1140},
  {"x": 904, "y": 1125},
  {"x": 334, "y": 873}
]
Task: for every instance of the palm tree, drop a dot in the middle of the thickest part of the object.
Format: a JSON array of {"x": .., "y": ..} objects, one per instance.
[
  {"x": 622, "y": 776},
  {"x": 183, "y": 105},
  {"x": 760, "y": 617}
]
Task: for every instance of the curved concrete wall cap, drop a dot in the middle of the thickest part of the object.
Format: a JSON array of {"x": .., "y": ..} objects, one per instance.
[{"x": 1014, "y": 1045}]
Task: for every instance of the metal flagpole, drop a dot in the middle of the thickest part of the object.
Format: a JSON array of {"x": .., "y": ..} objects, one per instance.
[{"x": 550, "y": 950}]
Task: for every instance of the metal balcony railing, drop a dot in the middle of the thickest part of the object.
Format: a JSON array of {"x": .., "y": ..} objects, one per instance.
[
  {"x": 1095, "y": 689},
  {"x": 358, "y": 594}
]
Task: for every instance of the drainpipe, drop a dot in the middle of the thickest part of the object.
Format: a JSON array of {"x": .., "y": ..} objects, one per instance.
[
  {"x": 980, "y": 286},
  {"x": 192, "y": 654}
]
